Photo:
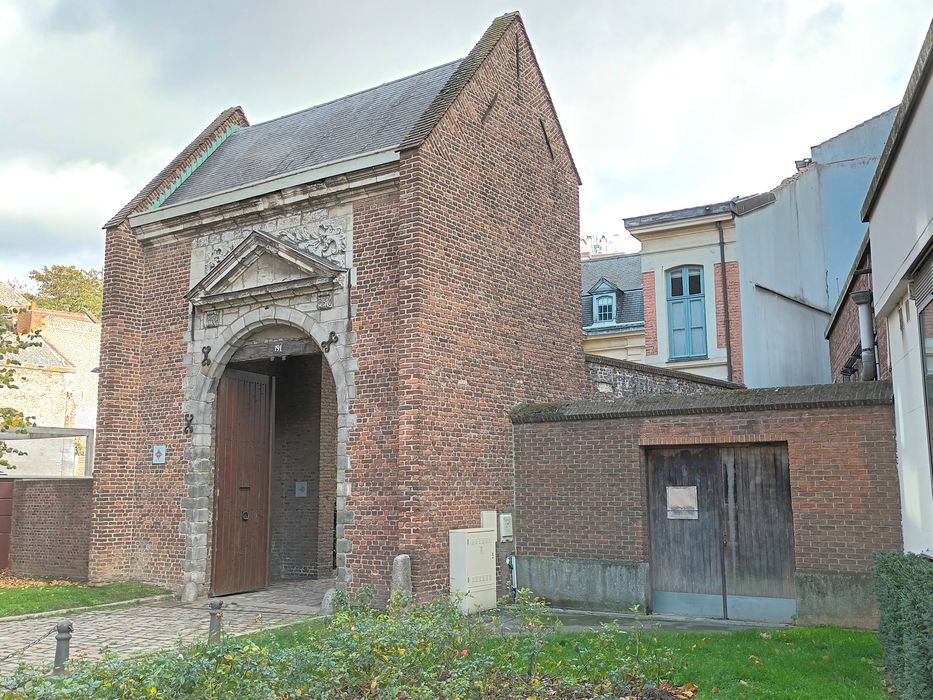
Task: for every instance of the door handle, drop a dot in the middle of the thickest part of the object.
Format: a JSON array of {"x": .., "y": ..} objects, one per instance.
[{"x": 245, "y": 515}]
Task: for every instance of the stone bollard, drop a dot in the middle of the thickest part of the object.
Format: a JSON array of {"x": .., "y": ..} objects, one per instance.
[
  {"x": 329, "y": 602},
  {"x": 401, "y": 577},
  {"x": 62, "y": 646},
  {"x": 215, "y": 632}
]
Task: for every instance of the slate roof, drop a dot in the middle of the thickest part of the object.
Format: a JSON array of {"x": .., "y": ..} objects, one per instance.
[
  {"x": 624, "y": 271},
  {"x": 10, "y": 298},
  {"x": 736, "y": 401},
  {"x": 372, "y": 120}
]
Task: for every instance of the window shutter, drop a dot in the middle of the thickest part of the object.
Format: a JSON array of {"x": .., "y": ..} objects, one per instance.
[
  {"x": 921, "y": 284},
  {"x": 697, "y": 318},
  {"x": 677, "y": 318},
  {"x": 587, "y": 311}
]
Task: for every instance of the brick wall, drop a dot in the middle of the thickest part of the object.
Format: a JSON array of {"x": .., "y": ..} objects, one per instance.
[
  {"x": 733, "y": 292},
  {"x": 843, "y": 474},
  {"x": 118, "y": 418},
  {"x": 488, "y": 202},
  {"x": 51, "y": 527},
  {"x": 612, "y": 378},
  {"x": 651, "y": 314}
]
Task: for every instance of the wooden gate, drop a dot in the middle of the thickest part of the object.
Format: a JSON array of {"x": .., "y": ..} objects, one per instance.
[
  {"x": 721, "y": 532},
  {"x": 245, "y": 420},
  {"x": 6, "y": 522}
]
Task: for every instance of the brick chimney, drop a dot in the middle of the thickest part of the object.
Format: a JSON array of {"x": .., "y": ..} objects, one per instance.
[{"x": 30, "y": 320}]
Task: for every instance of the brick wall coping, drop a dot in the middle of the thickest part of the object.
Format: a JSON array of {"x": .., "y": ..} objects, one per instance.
[
  {"x": 740, "y": 400},
  {"x": 660, "y": 371},
  {"x": 40, "y": 477}
]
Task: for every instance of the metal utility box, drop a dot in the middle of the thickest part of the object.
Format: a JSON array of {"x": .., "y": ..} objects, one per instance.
[{"x": 473, "y": 568}]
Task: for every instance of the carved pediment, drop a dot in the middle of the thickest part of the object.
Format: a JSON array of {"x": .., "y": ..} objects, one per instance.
[{"x": 264, "y": 268}]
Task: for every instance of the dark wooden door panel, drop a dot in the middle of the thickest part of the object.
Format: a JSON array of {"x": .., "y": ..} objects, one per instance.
[
  {"x": 243, "y": 456},
  {"x": 760, "y": 542},
  {"x": 685, "y": 554}
]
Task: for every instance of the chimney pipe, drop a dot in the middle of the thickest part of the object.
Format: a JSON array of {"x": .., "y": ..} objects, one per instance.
[{"x": 867, "y": 333}]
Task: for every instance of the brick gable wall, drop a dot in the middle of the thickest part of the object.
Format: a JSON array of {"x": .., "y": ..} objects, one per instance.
[{"x": 485, "y": 208}]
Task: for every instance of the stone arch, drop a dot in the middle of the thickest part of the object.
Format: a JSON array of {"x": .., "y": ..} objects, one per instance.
[{"x": 201, "y": 395}]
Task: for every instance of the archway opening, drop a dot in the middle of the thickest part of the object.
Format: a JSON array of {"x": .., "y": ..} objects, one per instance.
[{"x": 276, "y": 465}]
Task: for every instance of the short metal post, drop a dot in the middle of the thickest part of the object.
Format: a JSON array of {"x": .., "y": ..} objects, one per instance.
[
  {"x": 215, "y": 632},
  {"x": 62, "y": 646}
]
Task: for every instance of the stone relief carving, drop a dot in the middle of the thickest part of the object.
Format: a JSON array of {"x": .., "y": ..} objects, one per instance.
[{"x": 327, "y": 239}]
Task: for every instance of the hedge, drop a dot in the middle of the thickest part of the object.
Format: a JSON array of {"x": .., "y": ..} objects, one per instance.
[{"x": 904, "y": 587}]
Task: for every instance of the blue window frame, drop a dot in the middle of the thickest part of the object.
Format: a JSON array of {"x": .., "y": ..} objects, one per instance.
[
  {"x": 686, "y": 312},
  {"x": 604, "y": 309}
]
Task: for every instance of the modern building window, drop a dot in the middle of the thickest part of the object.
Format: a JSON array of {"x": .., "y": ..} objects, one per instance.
[
  {"x": 604, "y": 308},
  {"x": 686, "y": 313}
]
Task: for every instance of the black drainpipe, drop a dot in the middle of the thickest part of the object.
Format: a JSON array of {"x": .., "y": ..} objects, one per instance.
[{"x": 725, "y": 301}]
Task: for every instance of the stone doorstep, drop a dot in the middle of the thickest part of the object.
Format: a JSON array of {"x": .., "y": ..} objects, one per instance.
[{"x": 86, "y": 608}]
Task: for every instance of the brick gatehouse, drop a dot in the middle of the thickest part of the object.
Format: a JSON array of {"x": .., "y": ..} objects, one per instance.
[{"x": 352, "y": 297}]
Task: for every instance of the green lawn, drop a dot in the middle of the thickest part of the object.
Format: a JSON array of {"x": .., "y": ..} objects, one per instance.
[
  {"x": 35, "y": 599},
  {"x": 808, "y": 663},
  {"x": 805, "y": 662}
]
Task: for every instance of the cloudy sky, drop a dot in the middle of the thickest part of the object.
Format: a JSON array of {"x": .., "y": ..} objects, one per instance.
[{"x": 665, "y": 104}]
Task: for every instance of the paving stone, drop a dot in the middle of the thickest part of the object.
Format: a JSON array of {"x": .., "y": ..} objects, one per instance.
[{"x": 160, "y": 625}]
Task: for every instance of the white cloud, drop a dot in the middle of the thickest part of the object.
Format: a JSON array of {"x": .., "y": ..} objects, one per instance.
[{"x": 664, "y": 104}]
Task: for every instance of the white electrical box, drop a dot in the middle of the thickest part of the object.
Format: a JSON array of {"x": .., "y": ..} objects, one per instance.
[
  {"x": 488, "y": 519},
  {"x": 473, "y": 568},
  {"x": 505, "y": 527}
]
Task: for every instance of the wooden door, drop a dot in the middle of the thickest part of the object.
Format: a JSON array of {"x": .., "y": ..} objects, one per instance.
[
  {"x": 686, "y": 558},
  {"x": 6, "y": 522},
  {"x": 734, "y": 556},
  {"x": 245, "y": 419},
  {"x": 759, "y": 542}
]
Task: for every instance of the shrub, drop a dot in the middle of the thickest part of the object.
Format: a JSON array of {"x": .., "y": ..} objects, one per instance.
[
  {"x": 407, "y": 652},
  {"x": 904, "y": 587}
]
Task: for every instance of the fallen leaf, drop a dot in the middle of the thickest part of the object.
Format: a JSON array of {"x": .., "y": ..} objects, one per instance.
[
  {"x": 755, "y": 660},
  {"x": 765, "y": 635},
  {"x": 714, "y": 690},
  {"x": 825, "y": 658}
]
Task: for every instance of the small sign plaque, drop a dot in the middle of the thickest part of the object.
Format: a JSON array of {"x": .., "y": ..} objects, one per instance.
[
  {"x": 301, "y": 489},
  {"x": 682, "y": 503},
  {"x": 158, "y": 454}
]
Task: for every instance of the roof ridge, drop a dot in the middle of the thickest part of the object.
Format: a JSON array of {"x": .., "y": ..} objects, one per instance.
[
  {"x": 457, "y": 81},
  {"x": 358, "y": 92},
  {"x": 608, "y": 256}
]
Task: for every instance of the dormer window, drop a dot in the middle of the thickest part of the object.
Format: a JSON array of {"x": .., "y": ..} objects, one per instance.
[
  {"x": 604, "y": 298},
  {"x": 604, "y": 308}
]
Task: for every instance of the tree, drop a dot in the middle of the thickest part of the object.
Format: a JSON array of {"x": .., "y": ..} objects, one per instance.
[
  {"x": 68, "y": 288},
  {"x": 11, "y": 343}
]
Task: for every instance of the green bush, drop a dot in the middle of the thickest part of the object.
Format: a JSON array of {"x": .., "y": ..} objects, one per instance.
[
  {"x": 405, "y": 651},
  {"x": 904, "y": 587}
]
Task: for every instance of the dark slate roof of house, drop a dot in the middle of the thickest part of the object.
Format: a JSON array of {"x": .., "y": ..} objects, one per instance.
[
  {"x": 915, "y": 87},
  {"x": 624, "y": 271},
  {"x": 376, "y": 119},
  {"x": 738, "y": 206},
  {"x": 43, "y": 355},
  {"x": 736, "y": 401}
]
